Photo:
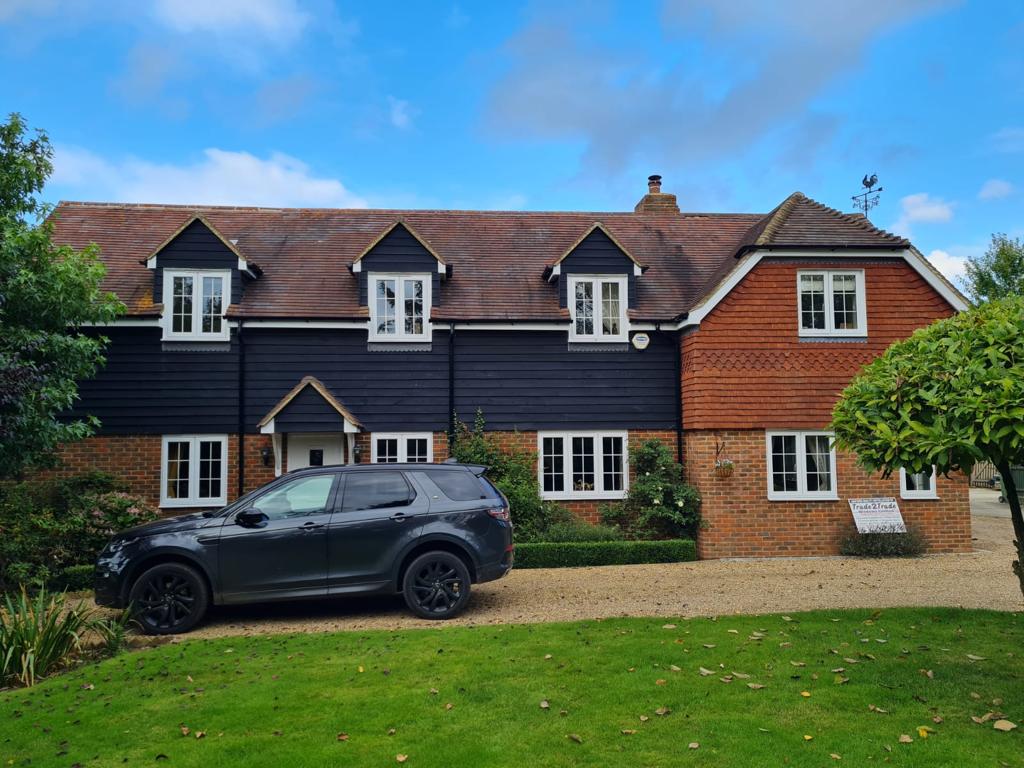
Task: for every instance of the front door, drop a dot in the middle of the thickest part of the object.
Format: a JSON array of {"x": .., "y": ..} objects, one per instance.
[
  {"x": 380, "y": 513},
  {"x": 315, "y": 450},
  {"x": 286, "y": 554}
]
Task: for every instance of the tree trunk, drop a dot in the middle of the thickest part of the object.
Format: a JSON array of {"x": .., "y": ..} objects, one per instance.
[{"x": 1010, "y": 492}]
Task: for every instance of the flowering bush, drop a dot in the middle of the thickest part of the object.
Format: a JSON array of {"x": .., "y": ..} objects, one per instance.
[
  {"x": 49, "y": 526},
  {"x": 659, "y": 504}
]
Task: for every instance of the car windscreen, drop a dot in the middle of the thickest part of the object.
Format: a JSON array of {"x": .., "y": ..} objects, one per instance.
[{"x": 462, "y": 485}]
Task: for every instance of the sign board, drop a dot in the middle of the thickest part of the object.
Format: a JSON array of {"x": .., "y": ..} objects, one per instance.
[
  {"x": 641, "y": 340},
  {"x": 881, "y": 515}
]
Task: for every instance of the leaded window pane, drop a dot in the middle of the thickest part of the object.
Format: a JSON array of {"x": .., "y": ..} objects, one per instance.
[{"x": 585, "y": 308}]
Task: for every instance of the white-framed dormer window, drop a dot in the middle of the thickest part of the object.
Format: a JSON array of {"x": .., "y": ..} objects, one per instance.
[
  {"x": 583, "y": 465},
  {"x": 194, "y": 471},
  {"x": 801, "y": 466},
  {"x": 831, "y": 302},
  {"x": 401, "y": 447},
  {"x": 597, "y": 308},
  {"x": 195, "y": 304},
  {"x": 918, "y": 485},
  {"x": 399, "y": 307}
]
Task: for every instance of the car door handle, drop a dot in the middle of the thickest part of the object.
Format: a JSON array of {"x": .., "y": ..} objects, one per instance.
[
  {"x": 398, "y": 517},
  {"x": 310, "y": 526}
]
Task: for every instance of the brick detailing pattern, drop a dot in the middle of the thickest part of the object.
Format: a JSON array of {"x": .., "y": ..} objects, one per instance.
[
  {"x": 742, "y": 522},
  {"x": 747, "y": 367}
]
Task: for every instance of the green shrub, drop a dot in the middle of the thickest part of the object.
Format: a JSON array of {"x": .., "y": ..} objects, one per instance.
[
  {"x": 575, "y": 554},
  {"x": 579, "y": 530},
  {"x": 41, "y": 633},
  {"x": 659, "y": 503},
  {"x": 75, "y": 578},
  {"x": 514, "y": 473},
  {"x": 891, "y": 543},
  {"x": 50, "y": 525}
]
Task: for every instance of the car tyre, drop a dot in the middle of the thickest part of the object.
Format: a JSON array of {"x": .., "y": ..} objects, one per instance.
[
  {"x": 436, "y": 585},
  {"x": 168, "y": 599}
]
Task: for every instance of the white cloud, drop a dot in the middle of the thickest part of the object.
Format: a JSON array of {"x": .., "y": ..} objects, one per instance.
[
  {"x": 993, "y": 189},
  {"x": 953, "y": 267},
  {"x": 1009, "y": 139},
  {"x": 220, "y": 178},
  {"x": 400, "y": 113},
  {"x": 921, "y": 207},
  {"x": 278, "y": 21}
]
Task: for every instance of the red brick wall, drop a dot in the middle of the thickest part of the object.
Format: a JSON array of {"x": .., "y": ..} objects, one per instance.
[
  {"x": 742, "y": 522},
  {"x": 746, "y": 366}
]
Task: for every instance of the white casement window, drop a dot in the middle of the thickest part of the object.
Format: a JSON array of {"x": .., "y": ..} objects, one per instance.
[
  {"x": 392, "y": 447},
  {"x": 801, "y": 466},
  {"x": 194, "y": 471},
  {"x": 583, "y": 465},
  {"x": 831, "y": 303},
  {"x": 919, "y": 485},
  {"x": 399, "y": 307},
  {"x": 597, "y": 308},
  {"x": 195, "y": 303}
]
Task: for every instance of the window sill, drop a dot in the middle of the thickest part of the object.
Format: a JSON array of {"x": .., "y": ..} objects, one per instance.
[
  {"x": 192, "y": 503},
  {"x": 584, "y": 496},
  {"x": 193, "y": 338},
  {"x": 921, "y": 497},
  {"x": 825, "y": 335},
  {"x": 804, "y": 497}
]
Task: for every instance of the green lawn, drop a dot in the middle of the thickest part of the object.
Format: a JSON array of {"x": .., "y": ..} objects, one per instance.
[{"x": 472, "y": 696}]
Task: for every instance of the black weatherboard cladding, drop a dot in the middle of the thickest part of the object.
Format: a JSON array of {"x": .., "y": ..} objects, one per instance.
[
  {"x": 308, "y": 412},
  {"x": 196, "y": 247},
  {"x": 596, "y": 255},
  {"x": 399, "y": 251}
]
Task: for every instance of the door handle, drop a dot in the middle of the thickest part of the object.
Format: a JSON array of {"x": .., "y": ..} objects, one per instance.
[
  {"x": 310, "y": 526},
  {"x": 398, "y": 517}
]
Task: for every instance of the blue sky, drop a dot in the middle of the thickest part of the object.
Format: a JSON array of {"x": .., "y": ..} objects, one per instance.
[{"x": 535, "y": 106}]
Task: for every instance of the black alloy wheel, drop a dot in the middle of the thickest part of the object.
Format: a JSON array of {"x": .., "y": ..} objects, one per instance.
[
  {"x": 436, "y": 585},
  {"x": 168, "y": 599}
]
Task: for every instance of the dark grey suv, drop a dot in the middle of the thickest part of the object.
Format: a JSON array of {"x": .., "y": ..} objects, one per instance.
[{"x": 425, "y": 530}]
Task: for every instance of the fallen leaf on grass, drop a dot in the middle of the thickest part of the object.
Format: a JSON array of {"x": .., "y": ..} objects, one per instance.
[
  {"x": 674, "y": 668},
  {"x": 544, "y": 704},
  {"x": 733, "y": 631},
  {"x": 1004, "y": 725},
  {"x": 835, "y": 756},
  {"x": 755, "y": 686},
  {"x": 694, "y": 745},
  {"x": 879, "y": 710},
  {"x": 200, "y": 734},
  {"x": 574, "y": 737},
  {"x": 391, "y": 731},
  {"x": 668, "y": 626},
  {"x": 705, "y": 672},
  {"x": 808, "y": 737},
  {"x": 983, "y": 719},
  {"x": 805, "y": 694},
  {"x": 628, "y": 731},
  {"x": 740, "y": 676},
  {"x": 400, "y": 758},
  {"x": 840, "y": 680},
  {"x": 662, "y": 711},
  {"x": 660, "y": 681},
  {"x": 905, "y": 738},
  {"x": 709, "y": 645},
  {"x": 798, "y": 663},
  {"x": 448, "y": 706},
  {"x": 644, "y": 718},
  {"x": 360, "y": 668},
  {"x": 937, "y": 719},
  {"x": 927, "y": 673},
  {"x": 972, "y": 657},
  {"x": 342, "y": 736},
  {"x": 924, "y": 730},
  {"x": 434, "y": 691},
  {"x": 185, "y": 730},
  {"x": 547, "y": 656}
]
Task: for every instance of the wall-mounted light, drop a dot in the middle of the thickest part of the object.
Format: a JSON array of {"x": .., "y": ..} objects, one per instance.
[
  {"x": 267, "y": 454},
  {"x": 357, "y": 453}
]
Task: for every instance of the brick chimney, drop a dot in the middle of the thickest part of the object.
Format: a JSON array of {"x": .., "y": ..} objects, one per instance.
[{"x": 656, "y": 201}]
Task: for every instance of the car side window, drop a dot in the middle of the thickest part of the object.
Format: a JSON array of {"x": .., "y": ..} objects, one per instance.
[
  {"x": 298, "y": 498},
  {"x": 458, "y": 485},
  {"x": 376, "y": 490}
]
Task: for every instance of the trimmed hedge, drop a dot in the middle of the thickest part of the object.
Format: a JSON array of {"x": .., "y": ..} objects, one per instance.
[
  {"x": 549, "y": 554},
  {"x": 75, "y": 578}
]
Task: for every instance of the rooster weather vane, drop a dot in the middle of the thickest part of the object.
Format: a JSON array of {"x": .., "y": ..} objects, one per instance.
[{"x": 867, "y": 199}]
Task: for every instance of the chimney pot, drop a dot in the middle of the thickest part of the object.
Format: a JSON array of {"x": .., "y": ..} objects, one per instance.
[
  {"x": 654, "y": 184},
  {"x": 655, "y": 201}
]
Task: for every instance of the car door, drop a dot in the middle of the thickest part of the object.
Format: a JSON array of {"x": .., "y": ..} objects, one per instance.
[
  {"x": 285, "y": 553},
  {"x": 379, "y": 514}
]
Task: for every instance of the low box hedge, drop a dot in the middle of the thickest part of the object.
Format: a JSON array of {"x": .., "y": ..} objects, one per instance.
[
  {"x": 571, "y": 554},
  {"x": 76, "y": 578}
]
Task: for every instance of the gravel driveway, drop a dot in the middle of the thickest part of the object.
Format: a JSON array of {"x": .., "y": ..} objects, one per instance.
[{"x": 981, "y": 579}]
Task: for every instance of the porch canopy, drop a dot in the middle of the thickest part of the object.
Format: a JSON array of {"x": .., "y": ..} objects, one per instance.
[{"x": 309, "y": 408}]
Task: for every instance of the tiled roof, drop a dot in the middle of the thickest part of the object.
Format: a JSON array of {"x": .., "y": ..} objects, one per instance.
[{"x": 497, "y": 258}]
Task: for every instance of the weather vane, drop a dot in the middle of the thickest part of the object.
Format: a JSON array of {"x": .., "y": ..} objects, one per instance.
[{"x": 867, "y": 199}]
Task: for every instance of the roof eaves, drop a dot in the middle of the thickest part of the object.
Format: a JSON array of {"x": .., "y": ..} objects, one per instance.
[
  {"x": 401, "y": 220},
  {"x": 206, "y": 223}
]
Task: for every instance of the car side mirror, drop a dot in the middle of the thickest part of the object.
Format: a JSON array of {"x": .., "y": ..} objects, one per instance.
[{"x": 251, "y": 518}]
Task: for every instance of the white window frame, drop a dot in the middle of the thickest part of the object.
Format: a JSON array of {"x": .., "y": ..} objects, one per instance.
[
  {"x": 193, "y": 499},
  {"x": 801, "y": 493},
  {"x": 371, "y": 299},
  {"x": 597, "y": 336},
  {"x": 403, "y": 446},
  {"x": 906, "y": 493},
  {"x": 599, "y": 492},
  {"x": 197, "y": 275},
  {"x": 830, "y": 316}
]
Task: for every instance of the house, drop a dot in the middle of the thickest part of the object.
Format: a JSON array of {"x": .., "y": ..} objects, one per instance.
[{"x": 260, "y": 340}]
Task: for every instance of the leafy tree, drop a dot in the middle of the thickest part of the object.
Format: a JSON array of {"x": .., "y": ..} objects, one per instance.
[
  {"x": 1000, "y": 272},
  {"x": 951, "y": 395},
  {"x": 47, "y": 292}
]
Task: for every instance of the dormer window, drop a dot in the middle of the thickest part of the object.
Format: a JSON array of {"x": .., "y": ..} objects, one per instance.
[
  {"x": 597, "y": 307},
  {"x": 195, "y": 303},
  {"x": 399, "y": 307},
  {"x": 832, "y": 303}
]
